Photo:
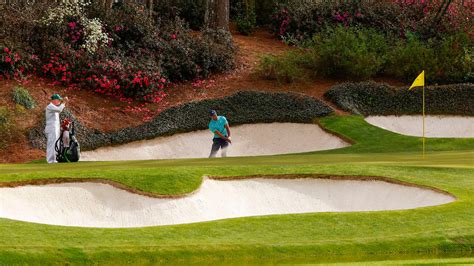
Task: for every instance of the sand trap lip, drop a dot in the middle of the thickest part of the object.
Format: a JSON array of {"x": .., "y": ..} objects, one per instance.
[
  {"x": 248, "y": 140},
  {"x": 105, "y": 206},
  {"x": 436, "y": 126}
]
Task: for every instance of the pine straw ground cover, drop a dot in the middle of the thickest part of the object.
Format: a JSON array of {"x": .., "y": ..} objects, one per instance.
[{"x": 439, "y": 234}]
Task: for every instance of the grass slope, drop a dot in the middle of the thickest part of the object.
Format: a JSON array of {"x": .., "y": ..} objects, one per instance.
[{"x": 441, "y": 234}]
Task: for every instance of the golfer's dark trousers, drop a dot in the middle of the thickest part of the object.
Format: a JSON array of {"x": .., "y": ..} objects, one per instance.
[{"x": 218, "y": 143}]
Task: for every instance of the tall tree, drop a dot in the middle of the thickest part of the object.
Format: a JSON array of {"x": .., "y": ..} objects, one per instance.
[
  {"x": 217, "y": 14},
  {"x": 109, "y": 4},
  {"x": 149, "y": 5}
]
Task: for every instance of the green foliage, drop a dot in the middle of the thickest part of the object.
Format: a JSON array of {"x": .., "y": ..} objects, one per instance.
[
  {"x": 361, "y": 53},
  {"x": 246, "y": 23},
  {"x": 262, "y": 9},
  {"x": 212, "y": 57},
  {"x": 350, "y": 52},
  {"x": 191, "y": 11},
  {"x": 170, "y": 47},
  {"x": 284, "y": 69},
  {"x": 342, "y": 52},
  {"x": 302, "y": 19},
  {"x": 6, "y": 127},
  {"x": 22, "y": 97},
  {"x": 449, "y": 59},
  {"x": 370, "y": 98}
]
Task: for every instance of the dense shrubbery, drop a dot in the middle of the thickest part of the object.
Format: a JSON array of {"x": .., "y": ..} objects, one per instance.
[
  {"x": 246, "y": 23},
  {"x": 361, "y": 39},
  {"x": 361, "y": 53},
  {"x": 349, "y": 52},
  {"x": 191, "y": 11},
  {"x": 287, "y": 68},
  {"x": 22, "y": 97},
  {"x": 297, "y": 20},
  {"x": 240, "y": 108},
  {"x": 446, "y": 60},
  {"x": 121, "y": 53},
  {"x": 370, "y": 98},
  {"x": 12, "y": 63},
  {"x": 263, "y": 9},
  {"x": 6, "y": 127}
]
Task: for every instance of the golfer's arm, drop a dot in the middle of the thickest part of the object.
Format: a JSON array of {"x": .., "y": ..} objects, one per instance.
[
  {"x": 227, "y": 127},
  {"x": 220, "y": 134}
]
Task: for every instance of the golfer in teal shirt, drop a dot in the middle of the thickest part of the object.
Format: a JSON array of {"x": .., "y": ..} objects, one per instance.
[{"x": 220, "y": 127}]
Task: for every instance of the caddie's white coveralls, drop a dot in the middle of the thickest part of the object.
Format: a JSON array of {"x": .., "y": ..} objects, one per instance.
[{"x": 52, "y": 130}]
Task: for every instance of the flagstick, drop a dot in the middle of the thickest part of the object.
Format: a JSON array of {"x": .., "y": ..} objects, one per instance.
[{"x": 423, "y": 121}]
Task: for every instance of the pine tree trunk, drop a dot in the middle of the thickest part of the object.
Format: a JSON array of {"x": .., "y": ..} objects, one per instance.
[
  {"x": 109, "y": 4},
  {"x": 217, "y": 14},
  {"x": 149, "y": 5}
]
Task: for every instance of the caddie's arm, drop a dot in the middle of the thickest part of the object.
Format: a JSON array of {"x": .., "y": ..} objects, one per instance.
[{"x": 57, "y": 109}]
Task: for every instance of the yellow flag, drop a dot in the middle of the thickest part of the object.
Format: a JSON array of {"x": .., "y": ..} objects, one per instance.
[{"x": 419, "y": 81}]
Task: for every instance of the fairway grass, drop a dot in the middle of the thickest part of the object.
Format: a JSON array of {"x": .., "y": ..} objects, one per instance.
[{"x": 440, "y": 234}]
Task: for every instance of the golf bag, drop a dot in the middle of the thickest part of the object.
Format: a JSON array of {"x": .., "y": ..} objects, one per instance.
[{"x": 69, "y": 154}]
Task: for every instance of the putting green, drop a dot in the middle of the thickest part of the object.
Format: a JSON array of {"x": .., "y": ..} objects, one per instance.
[{"x": 433, "y": 234}]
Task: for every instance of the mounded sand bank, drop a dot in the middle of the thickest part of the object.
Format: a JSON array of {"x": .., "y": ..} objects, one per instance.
[
  {"x": 247, "y": 140},
  {"x": 436, "y": 126},
  {"x": 103, "y": 205}
]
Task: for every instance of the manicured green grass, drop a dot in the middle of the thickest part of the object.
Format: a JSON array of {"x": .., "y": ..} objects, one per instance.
[{"x": 440, "y": 234}]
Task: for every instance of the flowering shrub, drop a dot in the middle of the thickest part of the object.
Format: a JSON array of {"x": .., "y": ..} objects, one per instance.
[
  {"x": 94, "y": 35},
  {"x": 75, "y": 32},
  {"x": 122, "y": 53},
  {"x": 127, "y": 82},
  {"x": 12, "y": 64},
  {"x": 90, "y": 30},
  {"x": 360, "y": 54},
  {"x": 301, "y": 19},
  {"x": 114, "y": 78},
  {"x": 58, "y": 14},
  {"x": 168, "y": 46},
  {"x": 431, "y": 19}
]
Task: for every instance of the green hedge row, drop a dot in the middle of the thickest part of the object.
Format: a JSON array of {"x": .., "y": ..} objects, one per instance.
[
  {"x": 370, "y": 98},
  {"x": 240, "y": 108}
]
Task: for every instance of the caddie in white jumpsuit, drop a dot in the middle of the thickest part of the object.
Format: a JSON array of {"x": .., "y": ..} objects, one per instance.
[{"x": 52, "y": 129}]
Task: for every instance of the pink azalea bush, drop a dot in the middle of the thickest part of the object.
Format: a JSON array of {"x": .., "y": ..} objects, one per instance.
[
  {"x": 13, "y": 65},
  {"x": 298, "y": 20},
  {"x": 122, "y": 53}
]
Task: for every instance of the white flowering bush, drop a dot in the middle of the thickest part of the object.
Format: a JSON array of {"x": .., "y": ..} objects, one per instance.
[
  {"x": 92, "y": 33},
  {"x": 57, "y": 15}
]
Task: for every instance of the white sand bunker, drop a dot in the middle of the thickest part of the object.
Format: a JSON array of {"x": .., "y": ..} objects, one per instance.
[
  {"x": 436, "y": 126},
  {"x": 248, "y": 140},
  {"x": 101, "y": 205}
]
